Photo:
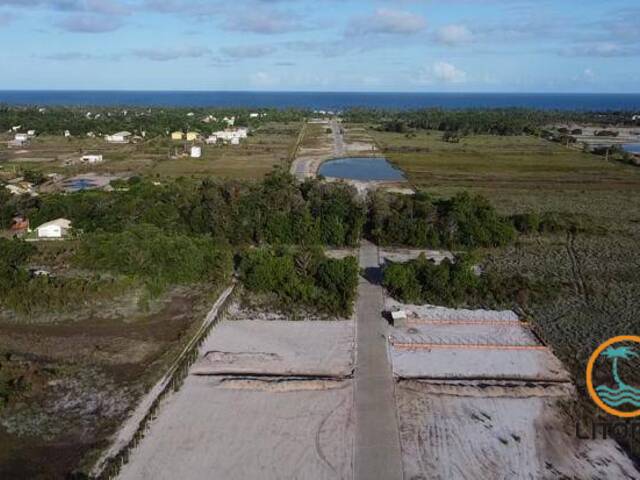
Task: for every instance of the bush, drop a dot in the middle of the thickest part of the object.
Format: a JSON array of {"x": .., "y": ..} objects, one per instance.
[
  {"x": 423, "y": 281},
  {"x": 304, "y": 277},
  {"x": 157, "y": 258},
  {"x": 422, "y": 221}
]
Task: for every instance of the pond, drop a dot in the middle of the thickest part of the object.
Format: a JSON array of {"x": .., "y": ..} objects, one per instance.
[
  {"x": 632, "y": 147},
  {"x": 80, "y": 184},
  {"x": 362, "y": 168}
]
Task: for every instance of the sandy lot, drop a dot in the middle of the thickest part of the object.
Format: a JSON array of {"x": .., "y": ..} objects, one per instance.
[
  {"x": 406, "y": 254},
  {"x": 510, "y": 434},
  {"x": 266, "y": 399},
  {"x": 212, "y": 431},
  {"x": 279, "y": 348}
]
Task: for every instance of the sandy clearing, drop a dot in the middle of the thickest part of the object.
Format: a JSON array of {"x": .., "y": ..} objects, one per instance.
[
  {"x": 500, "y": 333},
  {"x": 458, "y": 437},
  {"x": 456, "y": 363},
  {"x": 256, "y": 347},
  {"x": 401, "y": 255},
  {"x": 207, "y": 431},
  {"x": 431, "y": 312}
]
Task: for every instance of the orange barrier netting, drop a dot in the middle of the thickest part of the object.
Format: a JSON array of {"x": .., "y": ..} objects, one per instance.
[
  {"x": 510, "y": 323},
  {"x": 463, "y": 346}
]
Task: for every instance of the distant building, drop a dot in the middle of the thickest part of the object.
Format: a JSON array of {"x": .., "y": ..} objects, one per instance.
[
  {"x": 21, "y": 188},
  {"x": 120, "y": 137},
  {"x": 211, "y": 140},
  {"x": 196, "y": 152},
  {"x": 254, "y": 115},
  {"x": 31, "y": 133},
  {"x": 21, "y": 137},
  {"x": 55, "y": 229},
  {"x": 177, "y": 136},
  {"x": 192, "y": 136},
  {"x": 67, "y": 133},
  {"x": 92, "y": 159}
]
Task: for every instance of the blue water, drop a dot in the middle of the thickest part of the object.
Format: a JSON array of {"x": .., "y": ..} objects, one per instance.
[
  {"x": 369, "y": 168},
  {"x": 326, "y": 100},
  {"x": 80, "y": 184},
  {"x": 617, "y": 397},
  {"x": 632, "y": 147}
]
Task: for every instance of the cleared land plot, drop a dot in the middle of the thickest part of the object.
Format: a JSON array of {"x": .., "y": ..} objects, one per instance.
[
  {"x": 461, "y": 333},
  {"x": 279, "y": 348},
  {"x": 214, "y": 430},
  {"x": 505, "y": 434},
  {"x": 405, "y": 254},
  {"x": 266, "y": 399}
]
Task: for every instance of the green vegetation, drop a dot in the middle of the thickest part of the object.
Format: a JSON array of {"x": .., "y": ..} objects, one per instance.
[
  {"x": 422, "y": 221},
  {"x": 455, "y": 283},
  {"x": 145, "y": 252},
  {"x": 305, "y": 277},
  {"x": 276, "y": 210},
  {"x": 493, "y": 121},
  {"x": 153, "y": 121}
]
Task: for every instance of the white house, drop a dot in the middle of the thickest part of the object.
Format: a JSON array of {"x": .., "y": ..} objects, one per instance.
[
  {"x": 235, "y": 141},
  {"x": 67, "y": 133},
  {"x": 211, "y": 140},
  {"x": 31, "y": 133},
  {"x": 120, "y": 137},
  {"x": 254, "y": 115},
  {"x": 21, "y": 137},
  {"x": 196, "y": 151},
  {"x": 58, "y": 228},
  {"x": 92, "y": 159}
]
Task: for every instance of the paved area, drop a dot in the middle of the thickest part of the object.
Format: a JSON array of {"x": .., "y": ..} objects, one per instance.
[{"x": 377, "y": 444}]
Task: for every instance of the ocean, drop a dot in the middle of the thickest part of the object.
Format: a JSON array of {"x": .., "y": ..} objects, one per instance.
[{"x": 324, "y": 100}]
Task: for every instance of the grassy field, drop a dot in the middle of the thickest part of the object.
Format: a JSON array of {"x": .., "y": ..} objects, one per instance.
[
  {"x": 270, "y": 145},
  {"x": 595, "y": 275}
]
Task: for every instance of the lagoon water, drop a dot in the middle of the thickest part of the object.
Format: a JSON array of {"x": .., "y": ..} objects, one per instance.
[
  {"x": 323, "y": 100},
  {"x": 632, "y": 147},
  {"x": 362, "y": 168}
]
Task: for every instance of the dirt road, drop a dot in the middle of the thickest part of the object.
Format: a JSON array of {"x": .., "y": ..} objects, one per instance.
[
  {"x": 308, "y": 161},
  {"x": 377, "y": 446}
]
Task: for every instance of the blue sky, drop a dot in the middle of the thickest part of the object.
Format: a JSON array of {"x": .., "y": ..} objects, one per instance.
[{"x": 327, "y": 45}]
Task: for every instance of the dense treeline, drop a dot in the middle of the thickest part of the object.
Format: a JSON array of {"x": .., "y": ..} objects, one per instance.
[
  {"x": 423, "y": 221},
  {"x": 302, "y": 278},
  {"x": 153, "y": 121},
  {"x": 275, "y": 211},
  {"x": 146, "y": 253},
  {"x": 495, "y": 121},
  {"x": 456, "y": 283}
]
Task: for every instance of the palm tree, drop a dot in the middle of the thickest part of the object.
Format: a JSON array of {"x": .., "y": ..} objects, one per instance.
[{"x": 616, "y": 354}]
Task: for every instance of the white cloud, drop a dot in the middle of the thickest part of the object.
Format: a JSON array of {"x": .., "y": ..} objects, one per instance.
[
  {"x": 167, "y": 54},
  {"x": 442, "y": 72},
  {"x": 386, "y": 21},
  {"x": 448, "y": 73},
  {"x": 454, "y": 35}
]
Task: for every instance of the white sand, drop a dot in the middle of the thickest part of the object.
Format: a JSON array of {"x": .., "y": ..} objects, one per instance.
[
  {"x": 405, "y": 254},
  {"x": 499, "y": 333},
  {"x": 493, "y": 437},
  {"x": 210, "y": 431},
  {"x": 535, "y": 365},
  {"x": 304, "y": 348},
  {"x": 430, "y": 312}
]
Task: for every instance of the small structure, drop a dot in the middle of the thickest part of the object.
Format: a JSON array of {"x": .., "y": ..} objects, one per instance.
[
  {"x": 92, "y": 159},
  {"x": 55, "y": 229},
  {"x": 211, "y": 140},
  {"x": 177, "y": 135},
  {"x": 120, "y": 137},
  {"x": 91, "y": 134},
  {"x": 21, "y": 137},
  {"x": 67, "y": 133},
  {"x": 398, "y": 316},
  {"x": 254, "y": 115},
  {"x": 31, "y": 133},
  {"x": 21, "y": 188},
  {"x": 196, "y": 151},
  {"x": 192, "y": 136}
]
